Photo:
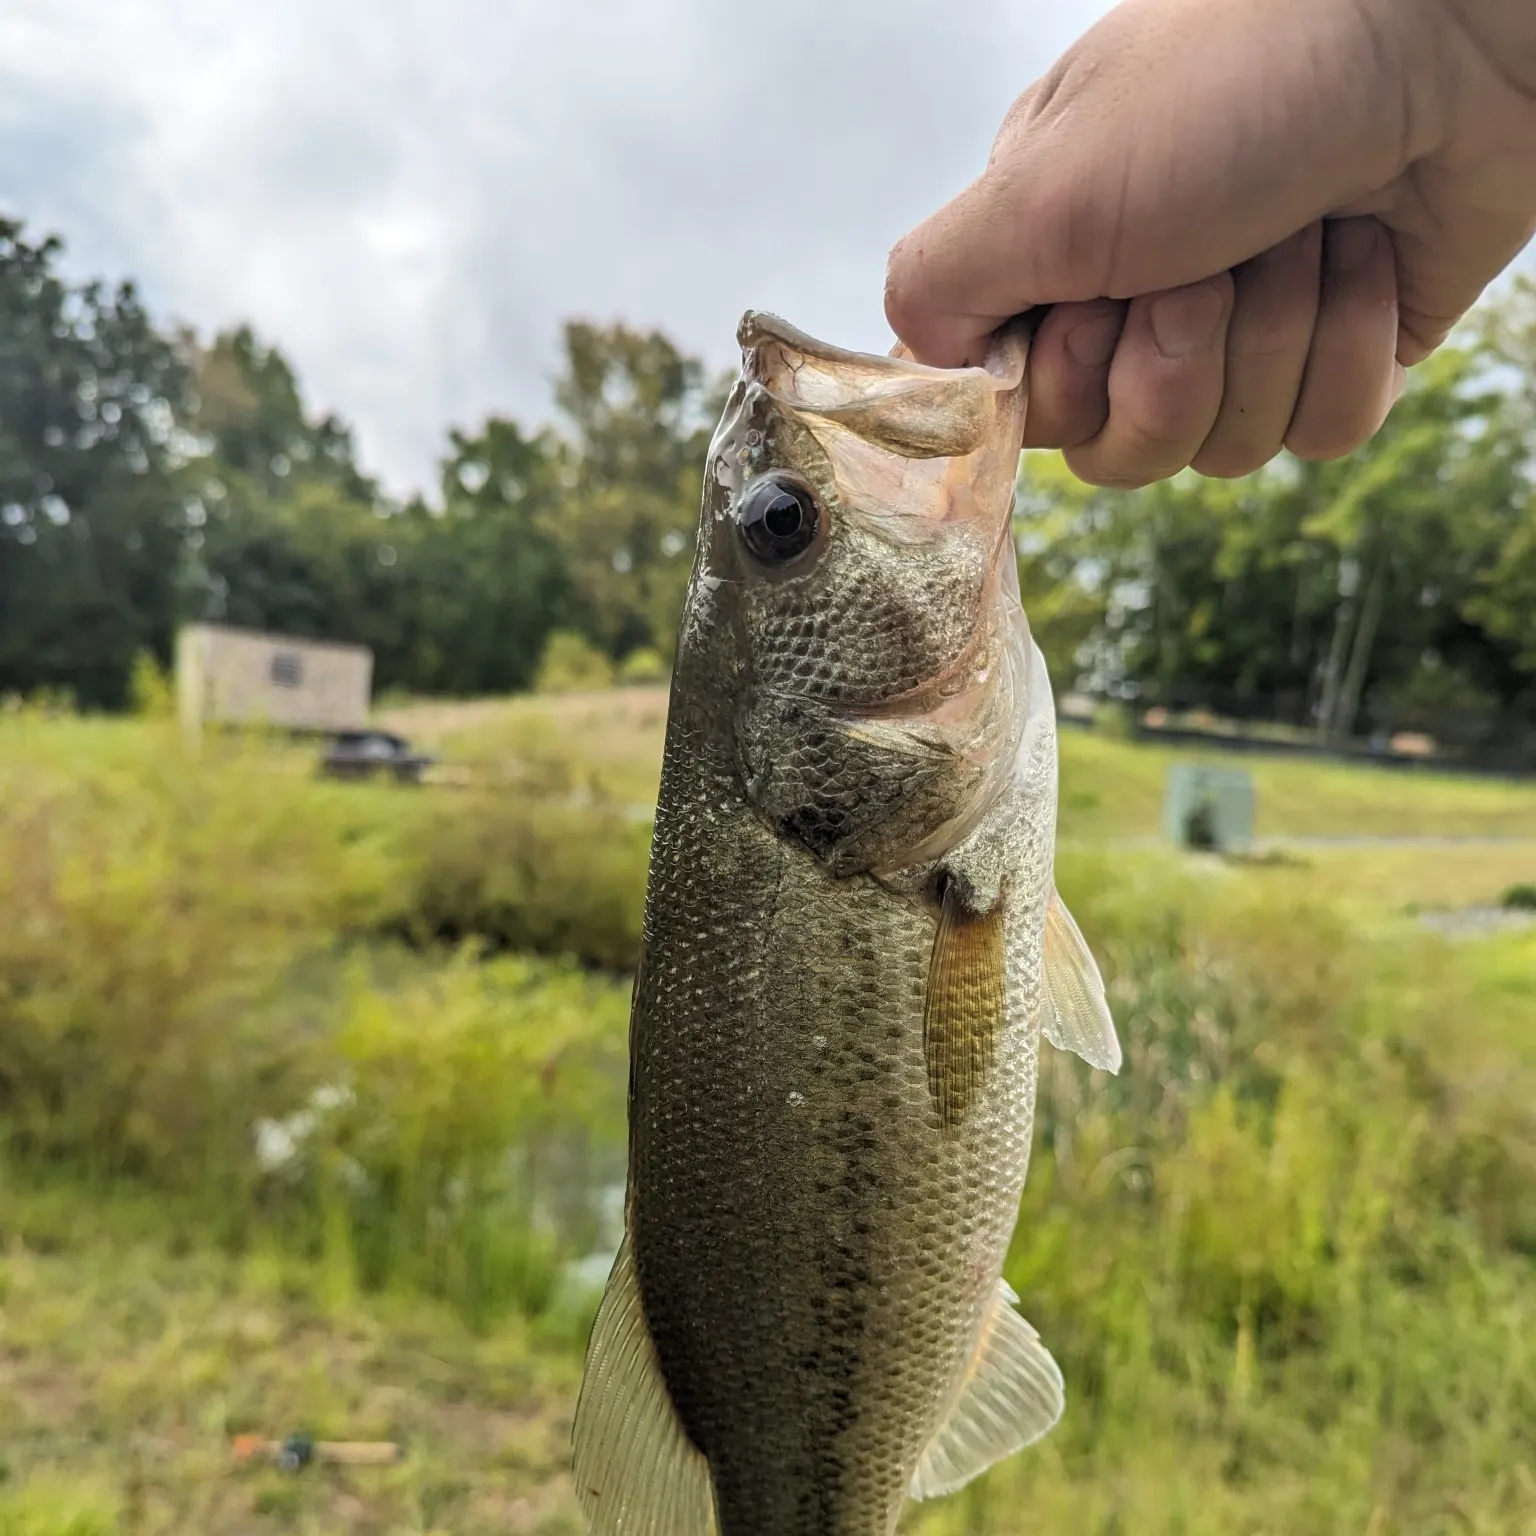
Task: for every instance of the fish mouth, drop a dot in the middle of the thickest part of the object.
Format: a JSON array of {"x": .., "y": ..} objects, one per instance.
[
  {"x": 906, "y": 443},
  {"x": 914, "y": 409}
]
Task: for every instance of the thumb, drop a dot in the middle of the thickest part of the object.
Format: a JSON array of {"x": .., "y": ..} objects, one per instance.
[{"x": 1177, "y": 139}]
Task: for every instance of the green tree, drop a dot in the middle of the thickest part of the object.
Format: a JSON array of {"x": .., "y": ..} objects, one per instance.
[
  {"x": 246, "y": 405},
  {"x": 1384, "y": 588},
  {"x": 90, "y": 515},
  {"x": 1504, "y": 602},
  {"x": 489, "y": 577},
  {"x": 286, "y": 531},
  {"x": 641, "y": 413}
]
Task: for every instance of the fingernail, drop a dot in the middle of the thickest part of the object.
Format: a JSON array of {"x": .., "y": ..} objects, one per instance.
[
  {"x": 1187, "y": 321},
  {"x": 1092, "y": 344},
  {"x": 1351, "y": 243}
]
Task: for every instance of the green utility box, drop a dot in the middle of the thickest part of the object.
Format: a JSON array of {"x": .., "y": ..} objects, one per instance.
[{"x": 1208, "y": 808}]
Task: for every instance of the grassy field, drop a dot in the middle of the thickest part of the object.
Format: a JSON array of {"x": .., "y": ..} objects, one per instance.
[
  {"x": 308, "y": 1121},
  {"x": 1108, "y": 790},
  {"x": 126, "y": 1362}
]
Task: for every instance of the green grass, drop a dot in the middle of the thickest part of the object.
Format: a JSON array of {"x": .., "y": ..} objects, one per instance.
[
  {"x": 126, "y": 1365},
  {"x": 1111, "y": 788},
  {"x": 1287, "y": 1259}
]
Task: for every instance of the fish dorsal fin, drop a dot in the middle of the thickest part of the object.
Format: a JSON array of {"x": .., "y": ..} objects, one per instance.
[
  {"x": 963, "y": 1004},
  {"x": 636, "y": 1472},
  {"x": 1010, "y": 1397},
  {"x": 1077, "y": 1012}
]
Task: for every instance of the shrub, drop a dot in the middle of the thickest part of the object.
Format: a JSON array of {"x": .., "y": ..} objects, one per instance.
[
  {"x": 643, "y": 666},
  {"x": 1292, "y": 1237},
  {"x": 1283, "y": 1258},
  {"x": 572, "y": 664},
  {"x": 538, "y": 854},
  {"x": 1520, "y": 897},
  {"x": 527, "y": 873},
  {"x": 476, "y": 1120},
  {"x": 156, "y": 907}
]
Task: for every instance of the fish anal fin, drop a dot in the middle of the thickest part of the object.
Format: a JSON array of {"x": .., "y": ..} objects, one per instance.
[
  {"x": 1077, "y": 1012},
  {"x": 1011, "y": 1396},
  {"x": 635, "y": 1470},
  {"x": 963, "y": 1005}
]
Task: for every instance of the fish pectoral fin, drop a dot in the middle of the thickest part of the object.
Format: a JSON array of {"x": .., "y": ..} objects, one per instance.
[
  {"x": 1011, "y": 1395},
  {"x": 635, "y": 1469},
  {"x": 1076, "y": 1010},
  {"x": 963, "y": 1005}
]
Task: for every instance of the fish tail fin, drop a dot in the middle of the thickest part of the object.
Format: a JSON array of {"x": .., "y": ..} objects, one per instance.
[{"x": 635, "y": 1469}]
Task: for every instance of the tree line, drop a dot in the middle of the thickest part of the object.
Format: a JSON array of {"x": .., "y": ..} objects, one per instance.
[
  {"x": 1391, "y": 590},
  {"x": 148, "y": 478}
]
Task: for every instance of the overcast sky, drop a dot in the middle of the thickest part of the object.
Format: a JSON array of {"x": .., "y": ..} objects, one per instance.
[{"x": 408, "y": 196}]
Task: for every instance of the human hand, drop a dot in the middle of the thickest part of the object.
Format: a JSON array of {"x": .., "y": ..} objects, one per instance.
[{"x": 1247, "y": 217}]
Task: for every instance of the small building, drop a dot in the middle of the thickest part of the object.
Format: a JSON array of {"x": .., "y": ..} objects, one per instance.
[
  {"x": 247, "y": 677},
  {"x": 1208, "y": 808}
]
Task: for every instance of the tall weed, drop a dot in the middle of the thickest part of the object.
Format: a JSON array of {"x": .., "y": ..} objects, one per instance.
[
  {"x": 478, "y": 1119},
  {"x": 1285, "y": 1260},
  {"x": 156, "y": 909}
]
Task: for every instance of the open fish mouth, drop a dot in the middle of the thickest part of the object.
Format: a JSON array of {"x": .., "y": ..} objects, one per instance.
[{"x": 904, "y": 440}]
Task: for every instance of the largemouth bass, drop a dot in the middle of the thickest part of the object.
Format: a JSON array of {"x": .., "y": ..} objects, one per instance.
[{"x": 852, "y": 946}]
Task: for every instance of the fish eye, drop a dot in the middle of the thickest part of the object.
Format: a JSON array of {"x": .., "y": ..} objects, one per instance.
[{"x": 778, "y": 518}]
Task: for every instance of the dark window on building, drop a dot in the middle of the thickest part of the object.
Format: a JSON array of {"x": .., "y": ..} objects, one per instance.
[{"x": 287, "y": 670}]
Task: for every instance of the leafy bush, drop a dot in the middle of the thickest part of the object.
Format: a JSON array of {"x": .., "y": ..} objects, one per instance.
[
  {"x": 476, "y": 1120},
  {"x": 1520, "y": 897},
  {"x": 527, "y": 874},
  {"x": 184, "y": 1001},
  {"x": 1283, "y": 1259},
  {"x": 156, "y": 908},
  {"x": 539, "y": 855},
  {"x": 643, "y": 666},
  {"x": 572, "y": 664},
  {"x": 151, "y": 691}
]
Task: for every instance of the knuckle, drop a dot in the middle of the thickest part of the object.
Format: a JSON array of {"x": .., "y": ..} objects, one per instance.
[
  {"x": 1275, "y": 342},
  {"x": 1238, "y": 445},
  {"x": 1166, "y": 410},
  {"x": 1130, "y": 453}
]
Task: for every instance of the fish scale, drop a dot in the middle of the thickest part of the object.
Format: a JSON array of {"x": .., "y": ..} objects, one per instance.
[{"x": 847, "y": 965}]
